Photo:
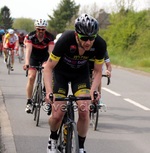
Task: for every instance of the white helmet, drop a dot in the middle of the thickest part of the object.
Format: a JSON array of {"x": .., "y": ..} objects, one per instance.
[
  {"x": 57, "y": 37},
  {"x": 40, "y": 23},
  {"x": 10, "y": 31}
]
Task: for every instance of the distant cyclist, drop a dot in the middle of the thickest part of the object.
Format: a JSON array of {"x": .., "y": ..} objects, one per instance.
[
  {"x": 21, "y": 43},
  {"x": 38, "y": 45},
  {"x": 2, "y": 33},
  {"x": 10, "y": 41},
  {"x": 68, "y": 62}
]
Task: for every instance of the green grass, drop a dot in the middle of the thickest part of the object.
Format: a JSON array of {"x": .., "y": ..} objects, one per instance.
[{"x": 142, "y": 64}]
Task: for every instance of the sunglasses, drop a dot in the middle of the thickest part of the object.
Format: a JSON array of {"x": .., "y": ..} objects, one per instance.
[
  {"x": 40, "y": 29},
  {"x": 86, "y": 38}
]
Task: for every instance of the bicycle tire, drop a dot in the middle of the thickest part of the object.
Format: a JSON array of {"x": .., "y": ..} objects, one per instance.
[
  {"x": 19, "y": 59},
  {"x": 38, "y": 106},
  {"x": 35, "y": 108},
  {"x": 19, "y": 55},
  {"x": 60, "y": 143},
  {"x": 94, "y": 115},
  {"x": 72, "y": 144},
  {"x": 35, "y": 101},
  {"x": 8, "y": 64}
]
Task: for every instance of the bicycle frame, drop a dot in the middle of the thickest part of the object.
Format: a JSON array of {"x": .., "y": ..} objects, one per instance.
[
  {"x": 69, "y": 122},
  {"x": 37, "y": 101},
  {"x": 9, "y": 59}
]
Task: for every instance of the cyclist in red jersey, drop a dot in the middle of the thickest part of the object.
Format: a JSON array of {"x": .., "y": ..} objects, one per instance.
[
  {"x": 39, "y": 44},
  {"x": 68, "y": 62},
  {"x": 21, "y": 37}
]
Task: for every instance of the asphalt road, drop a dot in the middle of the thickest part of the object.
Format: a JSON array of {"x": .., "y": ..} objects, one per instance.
[{"x": 123, "y": 128}]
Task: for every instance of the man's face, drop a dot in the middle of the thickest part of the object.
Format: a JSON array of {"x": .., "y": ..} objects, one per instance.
[
  {"x": 85, "y": 41},
  {"x": 40, "y": 31}
]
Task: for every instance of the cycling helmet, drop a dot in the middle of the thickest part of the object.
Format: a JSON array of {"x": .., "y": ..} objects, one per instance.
[
  {"x": 10, "y": 31},
  {"x": 86, "y": 25},
  {"x": 41, "y": 23},
  {"x": 21, "y": 34},
  {"x": 2, "y": 31}
]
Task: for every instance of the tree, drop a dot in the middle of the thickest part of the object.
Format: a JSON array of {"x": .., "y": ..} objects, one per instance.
[
  {"x": 62, "y": 15},
  {"x": 98, "y": 13},
  {"x": 6, "y": 19},
  {"x": 24, "y": 24}
]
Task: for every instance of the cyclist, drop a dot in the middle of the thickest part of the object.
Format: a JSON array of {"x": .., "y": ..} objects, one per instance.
[
  {"x": 10, "y": 41},
  {"x": 2, "y": 33},
  {"x": 21, "y": 43},
  {"x": 108, "y": 70},
  {"x": 39, "y": 44},
  {"x": 69, "y": 63}
]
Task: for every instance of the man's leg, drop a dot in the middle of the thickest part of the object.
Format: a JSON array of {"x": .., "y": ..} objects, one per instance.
[
  {"x": 83, "y": 122},
  {"x": 54, "y": 123},
  {"x": 29, "y": 88}
]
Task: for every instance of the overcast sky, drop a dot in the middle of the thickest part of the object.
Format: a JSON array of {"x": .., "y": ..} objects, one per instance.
[{"x": 40, "y": 9}]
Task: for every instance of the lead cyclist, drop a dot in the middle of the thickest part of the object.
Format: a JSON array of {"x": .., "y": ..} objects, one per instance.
[{"x": 68, "y": 62}]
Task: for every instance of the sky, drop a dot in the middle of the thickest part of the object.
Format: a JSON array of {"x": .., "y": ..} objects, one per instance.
[{"x": 35, "y": 9}]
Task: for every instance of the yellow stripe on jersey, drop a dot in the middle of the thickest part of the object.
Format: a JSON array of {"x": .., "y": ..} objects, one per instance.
[
  {"x": 53, "y": 57},
  {"x": 97, "y": 61}
]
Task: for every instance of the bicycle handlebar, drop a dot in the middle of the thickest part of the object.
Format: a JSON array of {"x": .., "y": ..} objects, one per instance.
[
  {"x": 39, "y": 68},
  {"x": 108, "y": 78},
  {"x": 72, "y": 97}
]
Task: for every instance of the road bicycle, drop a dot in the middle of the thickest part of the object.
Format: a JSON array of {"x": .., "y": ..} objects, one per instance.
[
  {"x": 9, "y": 59},
  {"x": 95, "y": 107},
  {"x": 20, "y": 53},
  {"x": 37, "y": 96},
  {"x": 67, "y": 133}
]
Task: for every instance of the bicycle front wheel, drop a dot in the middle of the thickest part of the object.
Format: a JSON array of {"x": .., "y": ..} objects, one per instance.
[
  {"x": 94, "y": 114},
  {"x": 72, "y": 145},
  {"x": 8, "y": 64},
  {"x": 38, "y": 104}
]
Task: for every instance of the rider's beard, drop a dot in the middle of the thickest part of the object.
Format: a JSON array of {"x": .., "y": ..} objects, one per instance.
[{"x": 41, "y": 35}]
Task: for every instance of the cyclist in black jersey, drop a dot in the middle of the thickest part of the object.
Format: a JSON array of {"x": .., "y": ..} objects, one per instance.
[
  {"x": 107, "y": 69},
  {"x": 39, "y": 44},
  {"x": 69, "y": 63}
]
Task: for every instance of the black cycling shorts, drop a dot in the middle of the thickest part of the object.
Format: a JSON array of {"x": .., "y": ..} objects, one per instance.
[
  {"x": 36, "y": 62},
  {"x": 80, "y": 83}
]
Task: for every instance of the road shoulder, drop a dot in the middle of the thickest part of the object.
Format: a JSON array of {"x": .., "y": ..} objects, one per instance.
[{"x": 7, "y": 139}]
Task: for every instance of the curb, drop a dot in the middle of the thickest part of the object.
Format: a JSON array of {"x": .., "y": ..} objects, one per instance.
[{"x": 8, "y": 145}]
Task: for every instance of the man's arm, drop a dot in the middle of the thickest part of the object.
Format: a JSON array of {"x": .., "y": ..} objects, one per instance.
[
  {"x": 50, "y": 48},
  {"x": 108, "y": 68},
  {"x": 48, "y": 76},
  {"x": 97, "y": 78},
  {"x": 28, "y": 51}
]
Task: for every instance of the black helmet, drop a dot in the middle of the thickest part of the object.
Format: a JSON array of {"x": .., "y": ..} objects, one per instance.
[{"x": 86, "y": 25}]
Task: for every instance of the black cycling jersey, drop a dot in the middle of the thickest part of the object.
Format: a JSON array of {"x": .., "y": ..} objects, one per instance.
[
  {"x": 66, "y": 51},
  {"x": 39, "y": 49}
]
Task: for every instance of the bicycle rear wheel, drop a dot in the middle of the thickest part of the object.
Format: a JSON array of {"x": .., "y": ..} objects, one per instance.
[
  {"x": 94, "y": 115},
  {"x": 72, "y": 144}
]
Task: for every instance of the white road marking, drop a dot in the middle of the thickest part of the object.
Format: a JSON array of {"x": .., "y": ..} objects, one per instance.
[
  {"x": 136, "y": 104},
  {"x": 110, "y": 91},
  {"x": 126, "y": 99}
]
